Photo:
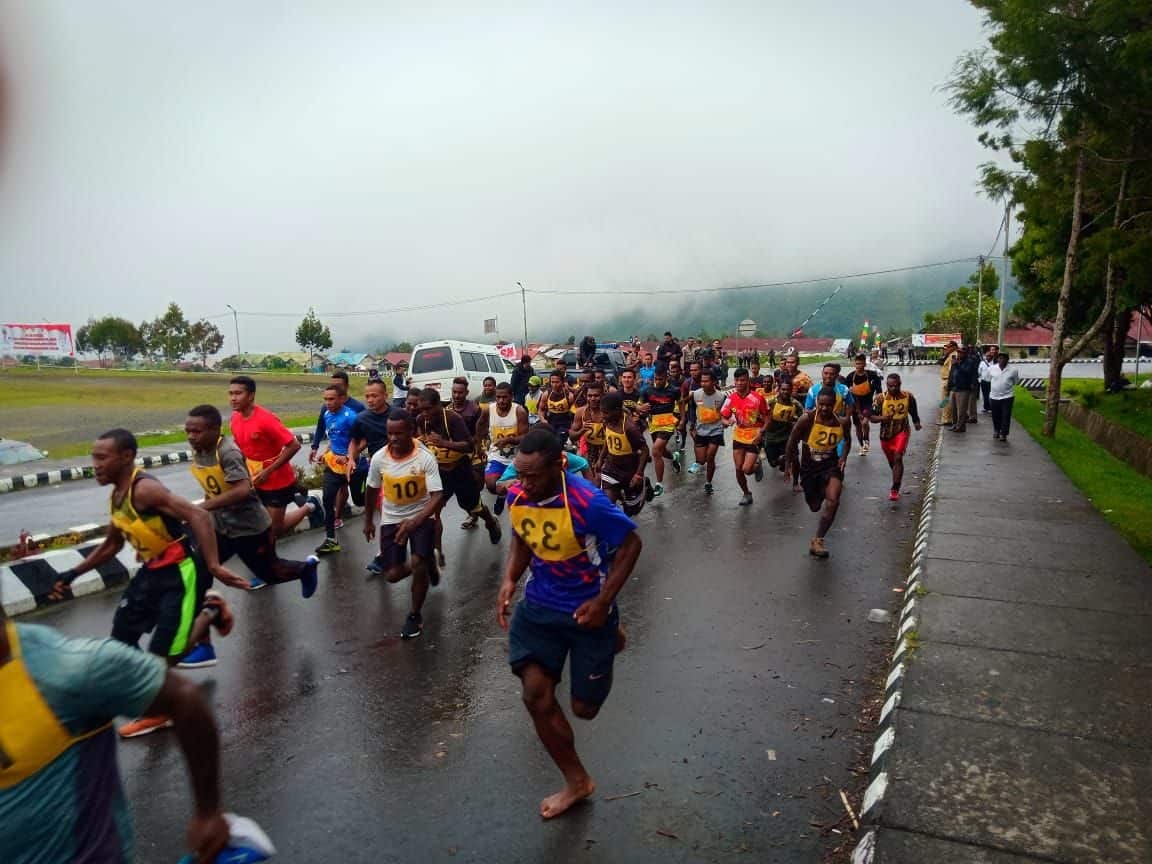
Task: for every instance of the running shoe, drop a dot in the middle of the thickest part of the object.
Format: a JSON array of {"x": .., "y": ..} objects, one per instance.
[
  {"x": 374, "y": 567},
  {"x": 863, "y": 448},
  {"x": 694, "y": 468},
  {"x": 300, "y": 498},
  {"x": 494, "y": 534},
  {"x": 894, "y": 495},
  {"x": 413, "y": 626},
  {"x": 338, "y": 524},
  {"x": 145, "y": 726},
  {"x": 657, "y": 490},
  {"x": 816, "y": 548},
  {"x": 309, "y": 578},
  {"x": 222, "y": 618},
  {"x": 676, "y": 461},
  {"x": 498, "y": 507},
  {"x": 330, "y": 545},
  {"x": 649, "y": 492},
  {"x": 200, "y": 657},
  {"x": 746, "y": 499},
  {"x": 707, "y": 488},
  {"x": 759, "y": 470},
  {"x": 316, "y": 514},
  {"x": 256, "y": 583}
]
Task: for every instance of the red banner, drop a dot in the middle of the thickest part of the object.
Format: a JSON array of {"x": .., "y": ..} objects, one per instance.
[{"x": 47, "y": 340}]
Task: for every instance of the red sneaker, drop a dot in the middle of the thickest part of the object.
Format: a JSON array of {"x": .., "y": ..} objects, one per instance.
[{"x": 145, "y": 726}]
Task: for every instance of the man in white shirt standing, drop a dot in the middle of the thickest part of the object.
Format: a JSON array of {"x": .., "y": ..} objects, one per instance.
[
  {"x": 404, "y": 486},
  {"x": 987, "y": 367},
  {"x": 1002, "y": 394}
]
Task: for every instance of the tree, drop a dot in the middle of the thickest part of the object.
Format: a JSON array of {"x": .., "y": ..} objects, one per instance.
[
  {"x": 312, "y": 335},
  {"x": 169, "y": 336},
  {"x": 1070, "y": 78},
  {"x": 401, "y": 348},
  {"x": 963, "y": 306},
  {"x": 205, "y": 338},
  {"x": 110, "y": 334}
]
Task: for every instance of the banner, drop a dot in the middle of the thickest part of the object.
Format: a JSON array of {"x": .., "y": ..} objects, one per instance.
[
  {"x": 489, "y": 325},
  {"x": 48, "y": 340},
  {"x": 508, "y": 351},
  {"x": 935, "y": 340}
]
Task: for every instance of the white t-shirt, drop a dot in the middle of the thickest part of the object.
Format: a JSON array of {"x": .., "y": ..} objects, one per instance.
[
  {"x": 405, "y": 484},
  {"x": 1003, "y": 382}
]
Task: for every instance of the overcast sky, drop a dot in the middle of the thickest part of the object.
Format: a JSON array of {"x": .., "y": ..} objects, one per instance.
[{"x": 369, "y": 155}]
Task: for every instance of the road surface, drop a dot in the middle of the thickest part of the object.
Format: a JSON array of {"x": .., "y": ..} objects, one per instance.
[{"x": 734, "y": 711}]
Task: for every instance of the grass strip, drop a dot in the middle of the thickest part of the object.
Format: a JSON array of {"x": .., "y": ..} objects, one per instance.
[
  {"x": 1121, "y": 494},
  {"x": 1131, "y": 408}
]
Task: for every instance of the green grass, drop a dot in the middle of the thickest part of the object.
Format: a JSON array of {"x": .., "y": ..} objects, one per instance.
[
  {"x": 1130, "y": 408},
  {"x": 1121, "y": 494}
]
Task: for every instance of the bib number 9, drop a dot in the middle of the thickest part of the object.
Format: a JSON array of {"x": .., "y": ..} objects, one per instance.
[{"x": 212, "y": 486}]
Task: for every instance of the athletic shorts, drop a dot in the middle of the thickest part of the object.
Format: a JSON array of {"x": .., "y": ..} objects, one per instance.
[
  {"x": 864, "y": 408},
  {"x": 164, "y": 602},
  {"x": 278, "y": 498},
  {"x": 495, "y": 467},
  {"x": 548, "y": 637},
  {"x": 631, "y": 500},
  {"x": 747, "y": 448},
  {"x": 421, "y": 542},
  {"x": 356, "y": 484},
  {"x": 461, "y": 482},
  {"x": 662, "y": 436},
  {"x": 774, "y": 451},
  {"x": 705, "y": 440},
  {"x": 814, "y": 477},
  {"x": 897, "y": 444}
]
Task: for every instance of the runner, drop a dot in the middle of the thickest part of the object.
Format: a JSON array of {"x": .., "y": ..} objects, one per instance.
[
  {"x": 748, "y": 412},
  {"x": 624, "y": 456},
  {"x": 762, "y": 384},
  {"x": 469, "y": 410},
  {"x": 446, "y": 435},
  {"x": 709, "y": 427},
  {"x": 659, "y": 405},
  {"x": 647, "y": 370},
  {"x": 338, "y": 420},
  {"x": 580, "y": 551},
  {"x": 822, "y": 432},
  {"x": 790, "y": 369},
  {"x": 369, "y": 434},
  {"x": 864, "y": 385},
  {"x": 587, "y": 431},
  {"x": 556, "y": 409},
  {"x": 532, "y": 399},
  {"x": 506, "y": 423},
  {"x": 487, "y": 394},
  {"x": 830, "y": 378},
  {"x": 892, "y": 410},
  {"x": 169, "y": 594},
  {"x": 630, "y": 393},
  {"x": 268, "y": 446},
  {"x": 783, "y": 411},
  {"x": 404, "y": 492},
  {"x": 340, "y": 379},
  {"x": 688, "y": 416},
  {"x": 243, "y": 526},
  {"x": 580, "y": 395}
]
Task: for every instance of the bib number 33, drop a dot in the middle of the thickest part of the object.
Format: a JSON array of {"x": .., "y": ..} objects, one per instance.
[{"x": 540, "y": 535}]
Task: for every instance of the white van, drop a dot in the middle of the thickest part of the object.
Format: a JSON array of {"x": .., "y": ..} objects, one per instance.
[{"x": 435, "y": 364}]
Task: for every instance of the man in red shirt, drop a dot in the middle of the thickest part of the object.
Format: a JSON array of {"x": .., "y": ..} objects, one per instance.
[
  {"x": 748, "y": 412},
  {"x": 268, "y": 447}
]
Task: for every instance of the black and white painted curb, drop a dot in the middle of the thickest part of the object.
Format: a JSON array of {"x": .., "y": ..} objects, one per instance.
[
  {"x": 85, "y": 472},
  {"x": 871, "y": 806},
  {"x": 1014, "y": 361},
  {"x": 26, "y": 582}
]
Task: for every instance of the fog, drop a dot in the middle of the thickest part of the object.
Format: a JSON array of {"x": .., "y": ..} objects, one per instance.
[{"x": 362, "y": 156}]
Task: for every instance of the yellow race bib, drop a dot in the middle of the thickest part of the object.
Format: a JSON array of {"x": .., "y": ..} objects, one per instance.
[
  {"x": 707, "y": 415},
  {"x": 824, "y": 439},
  {"x": 617, "y": 442},
  {"x": 548, "y": 531},
  {"x": 745, "y": 434},
  {"x": 662, "y": 422},
  {"x": 404, "y": 490}
]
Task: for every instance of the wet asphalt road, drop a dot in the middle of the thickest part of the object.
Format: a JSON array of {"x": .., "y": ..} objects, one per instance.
[{"x": 735, "y": 700}]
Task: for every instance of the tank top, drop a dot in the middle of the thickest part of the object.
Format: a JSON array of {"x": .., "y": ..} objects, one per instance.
[
  {"x": 559, "y": 410},
  {"x": 150, "y": 534},
  {"x": 532, "y": 405},
  {"x": 894, "y": 414},
  {"x": 500, "y": 428}
]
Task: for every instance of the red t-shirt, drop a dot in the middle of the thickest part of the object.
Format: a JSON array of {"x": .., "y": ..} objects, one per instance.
[
  {"x": 260, "y": 438},
  {"x": 750, "y": 412}
]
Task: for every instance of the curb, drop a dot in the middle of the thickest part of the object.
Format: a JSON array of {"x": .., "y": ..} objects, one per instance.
[
  {"x": 85, "y": 472},
  {"x": 1014, "y": 361},
  {"x": 26, "y": 582},
  {"x": 871, "y": 808}
]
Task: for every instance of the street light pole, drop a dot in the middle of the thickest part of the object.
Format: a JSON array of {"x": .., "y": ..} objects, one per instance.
[
  {"x": 1004, "y": 282},
  {"x": 524, "y": 309},
  {"x": 236, "y": 324}
]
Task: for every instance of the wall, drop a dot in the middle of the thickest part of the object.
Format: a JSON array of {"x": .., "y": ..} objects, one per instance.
[{"x": 1125, "y": 445}]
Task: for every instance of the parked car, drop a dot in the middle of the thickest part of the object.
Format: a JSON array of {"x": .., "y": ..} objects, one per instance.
[
  {"x": 435, "y": 364},
  {"x": 610, "y": 360}
]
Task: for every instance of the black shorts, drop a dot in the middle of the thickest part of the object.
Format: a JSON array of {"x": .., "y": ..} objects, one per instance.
[
  {"x": 421, "y": 541},
  {"x": 774, "y": 452},
  {"x": 461, "y": 482},
  {"x": 258, "y": 552},
  {"x": 278, "y": 498},
  {"x": 548, "y": 637},
  {"x": 165, "y": 602},
  {"x": 705, "y": 440},
  {"x": 662, "y": 436},
  {"x": 356, "y": 484},
  {"x": 814, "y": 477},
  {"x": 747, "y": 448}
]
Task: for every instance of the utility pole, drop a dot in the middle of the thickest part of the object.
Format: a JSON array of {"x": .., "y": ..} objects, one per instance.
[
  {"x": 1004, "y": 281},
  {"x": 236, "y": 324},
  {"x": 524, "y": 308},
  {"x": 979, "y": 298}
]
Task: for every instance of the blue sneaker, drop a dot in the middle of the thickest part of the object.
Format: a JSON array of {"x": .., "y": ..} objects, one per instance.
[
  {"x": 374, "y": 568},
  {"x": 316, "y": 516},
  {"x": 309, "y": 577},
  {"x": 694, "y": 468},
  {"x": 256, "y": 583},
  {"x": 200, "y": 657}
]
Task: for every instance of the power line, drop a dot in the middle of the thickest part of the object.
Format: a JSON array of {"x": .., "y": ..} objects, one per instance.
[{"x": 357, "y": 313}]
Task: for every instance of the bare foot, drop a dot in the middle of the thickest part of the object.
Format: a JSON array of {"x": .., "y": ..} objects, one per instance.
[{"x": 562, "y": 801}]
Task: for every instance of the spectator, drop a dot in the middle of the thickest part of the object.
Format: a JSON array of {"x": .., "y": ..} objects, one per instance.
[
  {"x": 520, "y": 376},
  {"x": 669, "y": 349},
  {"x": 987, "y": 366},
  {"x": 401, "y": 383},
  {"x": 585, "y": 354},
  {"x": 962, "y": 376},
  {"x": 946, "y": 361},
  {"x": 900, "y": 355},
  {"x": 1002, "y": 393}
]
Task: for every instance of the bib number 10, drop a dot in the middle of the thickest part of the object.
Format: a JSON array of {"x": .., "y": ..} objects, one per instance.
[{"x": 405, "y": 491}]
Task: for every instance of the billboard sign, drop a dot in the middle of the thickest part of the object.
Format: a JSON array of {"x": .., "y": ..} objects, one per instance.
[
  {"x": 935, "y": 340},
  {"x": 41, "y": 340}
]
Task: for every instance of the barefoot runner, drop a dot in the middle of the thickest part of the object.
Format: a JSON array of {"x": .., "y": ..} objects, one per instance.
[
  {"x": 892, "y": 410},
  {"x": 821, "y": 432},
  {"x": 169, "y": 594},
  {"x": 404, "y": 491},
  {"x": 580, "y": 550}
]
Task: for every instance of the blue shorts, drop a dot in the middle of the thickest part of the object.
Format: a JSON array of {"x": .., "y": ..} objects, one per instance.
[
  {"x": 547, "y": 637},
  {"x": 494, "y": 467}
]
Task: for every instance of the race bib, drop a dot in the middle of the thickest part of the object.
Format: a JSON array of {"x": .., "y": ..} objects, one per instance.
[
  {"x": 401, "y": 491},
  {"x": 707, "y": 415},
  {"x": 662, "y": 422},
  {"x": 745, "y": 434},
  {"x": 336, "y": 462}
]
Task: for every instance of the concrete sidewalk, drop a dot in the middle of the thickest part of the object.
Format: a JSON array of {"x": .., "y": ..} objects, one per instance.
[{"x": 1018, "y": 721}]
